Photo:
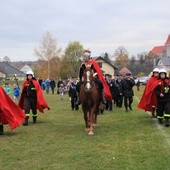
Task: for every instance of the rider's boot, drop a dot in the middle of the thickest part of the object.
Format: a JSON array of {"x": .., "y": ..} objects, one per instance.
[{"x": 103, "y": 98}]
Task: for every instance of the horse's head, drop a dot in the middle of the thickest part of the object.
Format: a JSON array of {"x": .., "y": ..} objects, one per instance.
[{"x": 88, "y": 78}]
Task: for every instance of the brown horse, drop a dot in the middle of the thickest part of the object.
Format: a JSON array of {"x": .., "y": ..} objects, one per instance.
[{"x": 90, "y": 99}]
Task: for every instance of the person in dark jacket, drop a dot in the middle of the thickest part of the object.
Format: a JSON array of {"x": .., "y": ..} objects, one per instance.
[
  {"x": 40, "y": 80},
  {"x": 117, "y": 88},
  {"x": 73, "y": 94},
  {"x": 127, "y": 89},
  {"x": 52, "y": 85}
]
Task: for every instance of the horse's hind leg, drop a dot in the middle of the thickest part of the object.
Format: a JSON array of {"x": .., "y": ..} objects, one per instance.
[{"x": 95, "y": 120}]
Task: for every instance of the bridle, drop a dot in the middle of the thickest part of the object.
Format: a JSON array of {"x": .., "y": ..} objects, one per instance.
[{"x": 88, "y": 81}]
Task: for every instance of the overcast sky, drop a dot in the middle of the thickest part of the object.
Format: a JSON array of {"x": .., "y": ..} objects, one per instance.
[{"x": 99, "y": 25}]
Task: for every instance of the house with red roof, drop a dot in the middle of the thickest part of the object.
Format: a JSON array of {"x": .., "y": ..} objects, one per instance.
[
  {"x": 158, "y": 50},
  {"x": 161, "y": 55},
  {"x": 124, "y": 71}
]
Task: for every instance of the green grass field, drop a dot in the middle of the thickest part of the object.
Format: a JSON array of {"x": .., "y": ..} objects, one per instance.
[{"x": 122, "y": 141}]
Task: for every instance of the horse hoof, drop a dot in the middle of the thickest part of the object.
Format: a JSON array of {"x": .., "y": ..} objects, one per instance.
[{"x": 91, "y": 133}]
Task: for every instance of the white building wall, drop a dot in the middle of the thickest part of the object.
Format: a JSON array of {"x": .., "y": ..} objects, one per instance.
[
  {"x": 167, "y": 50},
  {"x": 25, "y": 69}
]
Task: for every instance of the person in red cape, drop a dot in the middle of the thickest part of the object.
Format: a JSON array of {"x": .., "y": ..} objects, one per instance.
[
  {"x": 32, "y": 98},
  {"x": 163, "y": 98},
  {"x": 98, "y": 76},
  {"x": 148, "y": 101},
  {"x": 10, "y": 113}
]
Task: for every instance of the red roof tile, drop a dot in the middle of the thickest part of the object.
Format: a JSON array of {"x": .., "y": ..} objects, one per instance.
[
  {"x": 168, "y": 40},
  {"x": 158, "y": 49},
  {"x": 124, "y": 71}
]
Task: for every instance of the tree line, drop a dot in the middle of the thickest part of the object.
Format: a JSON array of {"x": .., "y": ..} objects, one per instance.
[{"x": 53, "y": 63}]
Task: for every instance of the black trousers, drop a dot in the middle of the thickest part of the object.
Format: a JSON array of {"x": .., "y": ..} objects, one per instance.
[
  {"x": 52, "y": 89},
  {"x": 109, "y": 105},
  {"x": 31, "y": 104},
  {"x": 163, "y": 109},
  {"x": 73, "y": 101},
  {"x": 127, "y": 102},
  {"x": 119, "y": 100}
]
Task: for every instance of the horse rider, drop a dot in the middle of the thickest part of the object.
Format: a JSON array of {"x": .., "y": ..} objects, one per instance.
[{"x": 97, "y": 77}]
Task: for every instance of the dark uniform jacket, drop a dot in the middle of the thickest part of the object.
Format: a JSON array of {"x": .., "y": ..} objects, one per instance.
[
  {"x": 117, "y": 87},
  {"x": 72, "y": 90},
  {"x": 163, "y": 86},
  {"x": 127, "y": 87}
]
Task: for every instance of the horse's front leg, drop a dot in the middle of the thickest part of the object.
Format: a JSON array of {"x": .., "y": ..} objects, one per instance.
[
  {"x": 95, "y": 120},
  {"x": 91, "y": 121}
]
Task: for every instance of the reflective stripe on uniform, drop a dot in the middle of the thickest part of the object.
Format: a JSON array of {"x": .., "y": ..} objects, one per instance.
[
  {"x": 33, "y": 88},
  {"x": 160, "y": 117},
  {"x": 166, "y": 115},
  {"x": 34, "y": 115}
]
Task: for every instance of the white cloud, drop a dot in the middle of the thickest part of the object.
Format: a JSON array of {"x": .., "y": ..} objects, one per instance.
[{"x": 101, "y": 25}]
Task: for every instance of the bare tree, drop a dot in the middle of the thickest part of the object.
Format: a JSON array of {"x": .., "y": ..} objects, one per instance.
[
  {"x": 122, "y": 58},
  {"x": 48, "y": 50},
  {"x": 121, "y": 51}
]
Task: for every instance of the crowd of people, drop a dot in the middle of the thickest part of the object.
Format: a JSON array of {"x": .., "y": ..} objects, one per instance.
[
  {"x": 122, "y": 91},
  {"x": 47, "y": 84},
  {"x": 117, "y": 90}
]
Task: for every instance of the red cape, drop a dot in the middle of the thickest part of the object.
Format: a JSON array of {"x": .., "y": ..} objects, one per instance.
[
  {"x": 10, "y": 113},
  {"x": 149, "y": 96},
  {"x": 107, "y": 92},
  {"x": 41, "y": 102}
]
